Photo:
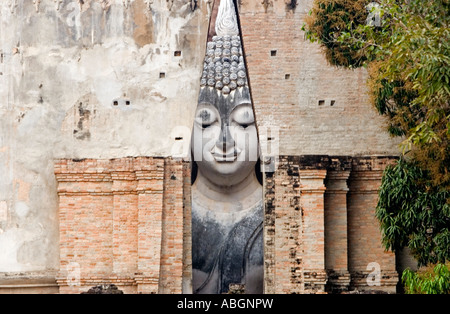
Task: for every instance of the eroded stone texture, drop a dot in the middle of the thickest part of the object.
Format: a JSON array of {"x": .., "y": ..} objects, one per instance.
[{"x": 104, "y": 289}]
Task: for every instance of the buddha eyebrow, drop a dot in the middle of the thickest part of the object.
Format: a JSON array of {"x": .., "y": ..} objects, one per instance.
[{"x": 243, "y": 104}]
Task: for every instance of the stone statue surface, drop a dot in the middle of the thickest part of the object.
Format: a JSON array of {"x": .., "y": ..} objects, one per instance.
[{"x": 227, "y": 208}]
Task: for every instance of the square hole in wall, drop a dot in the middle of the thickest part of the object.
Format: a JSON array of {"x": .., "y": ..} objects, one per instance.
[
  {"x": 321, "y": 102},
  {"x": 162, "y": 74},
  {"x": 287, "y": 76},
  {"x": 177, "y": 53},
  {"x": 332, "y": 102},
  {"x": 273, "y": 53}
]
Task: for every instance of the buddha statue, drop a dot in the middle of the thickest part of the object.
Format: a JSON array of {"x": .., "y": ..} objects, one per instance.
[{"x": 227, "y": 208}]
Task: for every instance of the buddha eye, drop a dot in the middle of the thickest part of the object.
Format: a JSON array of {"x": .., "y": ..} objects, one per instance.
[
  {"x": 243, "y": 116},
  {"x": 205, "y": 117}
]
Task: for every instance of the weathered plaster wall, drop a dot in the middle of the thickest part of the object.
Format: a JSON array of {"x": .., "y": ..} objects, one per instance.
[{"x": 86, "y": 79}]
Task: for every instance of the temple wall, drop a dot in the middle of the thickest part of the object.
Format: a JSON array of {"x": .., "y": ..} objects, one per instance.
[
  {"x": 121, "y": 222},
  {"x": 126, "y": 222},
  {"x": 320, "y": 231},
  {"x": 313, "y": 107},
  {"x": 102, "y": 79},
  {"x": 112, "y": 79}
]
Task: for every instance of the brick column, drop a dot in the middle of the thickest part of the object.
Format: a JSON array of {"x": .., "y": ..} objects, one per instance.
[
  {"x": 187, "y": 229},
  {"x": 288, "y": 227},
  {"x": 269, "y": 233},
  {"x": 371, "y": 267},
  {"x": 171, "y": 276},
  {"x": 125, "y": 217},
  {"x": 312, "y": 191},
  {"x": 85, "y": 214},
  {"x": 336, "y": 262},
  {"x": 150, "y": 205},
  {"x": 282, "y": 228}
]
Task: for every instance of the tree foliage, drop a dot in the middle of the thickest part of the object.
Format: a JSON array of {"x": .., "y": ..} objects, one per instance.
[
  {"x": 433, "y": 280},
  {"x": 407, "y": 55},
  {"x": 329, "y": 20},
  {"x": 413, "y": 213}
]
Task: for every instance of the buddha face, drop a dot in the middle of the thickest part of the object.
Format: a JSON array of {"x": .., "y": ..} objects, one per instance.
[{"x": 225, "y": 143}]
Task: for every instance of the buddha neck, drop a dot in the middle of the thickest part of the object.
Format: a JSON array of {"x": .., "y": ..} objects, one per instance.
[{"x": 240, "y": 196}]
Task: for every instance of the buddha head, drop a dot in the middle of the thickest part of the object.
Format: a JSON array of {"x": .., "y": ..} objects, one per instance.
[{"x": 225, "y": 142}]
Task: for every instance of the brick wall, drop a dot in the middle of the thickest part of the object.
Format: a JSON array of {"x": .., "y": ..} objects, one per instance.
[
  {"x": 321, "y": 234},
  {"x": 289, "y": 76},
  {"x": 121, "y": 222},
  {"x": 127, "y": 222}
]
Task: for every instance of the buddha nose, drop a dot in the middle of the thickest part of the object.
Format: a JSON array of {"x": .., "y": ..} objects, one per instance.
[{"x": 225, "y": 141}]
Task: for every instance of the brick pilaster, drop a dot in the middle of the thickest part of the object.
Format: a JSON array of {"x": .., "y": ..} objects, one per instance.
[
  {"x": 171, "y": 276},
  {"x": 150, "y": 206},
  {"x": 336, "y": 262},
  {"x": 85, "y": 199},
  {"x": 282, "y": 228},
  {"x": 125, "y": 217},
  {"x": 187, "y": 229},
  {"x": 367, "y": 255},
  {"x": 269, "y": 234},
  {"x": 312, "y": 191}
]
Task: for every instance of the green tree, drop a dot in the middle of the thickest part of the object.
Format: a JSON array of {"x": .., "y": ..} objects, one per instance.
[
  {"x": 413, "y": 213},
  {"x": 407, "y": 55},
  {"x": 406, "y": 51},
  {"x": 434, "y": 280},
  {"x": 329, "y": 20}
]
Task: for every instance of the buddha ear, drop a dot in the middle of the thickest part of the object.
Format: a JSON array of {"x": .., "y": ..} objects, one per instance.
[
  {"x": 258, "y": 172},
  {"x": 194, "y": 171}
]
